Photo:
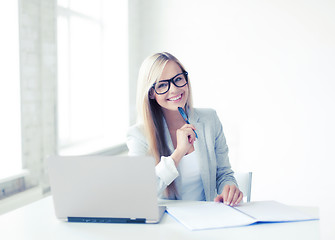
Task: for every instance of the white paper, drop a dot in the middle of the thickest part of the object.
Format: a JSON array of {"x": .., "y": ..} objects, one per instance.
[
  {"x": 271, "y": 211},
  {"x": 210, "y": 215}
]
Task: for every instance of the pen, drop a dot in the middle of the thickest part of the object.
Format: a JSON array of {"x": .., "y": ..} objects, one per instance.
[{"x": 183, "y": 114}]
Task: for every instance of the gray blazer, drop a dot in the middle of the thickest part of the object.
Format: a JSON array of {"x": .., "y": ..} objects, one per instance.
[{"x": 210, "y": 147}]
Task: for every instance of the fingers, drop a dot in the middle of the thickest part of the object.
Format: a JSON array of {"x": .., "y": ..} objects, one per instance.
[
  {"x": 189, "y": 129},
  {"x": 188, "y": 126},
  {"x": 239, "y": 199},
  {"x": 185, "y": 138},
  {"x": 219, "y": 198},
  {"x": 231, "y": 195},
  {"x": 225, "y": 194}
]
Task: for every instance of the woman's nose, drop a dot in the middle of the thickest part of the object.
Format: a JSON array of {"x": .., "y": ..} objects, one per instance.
[{"x": 173, "y": 88}]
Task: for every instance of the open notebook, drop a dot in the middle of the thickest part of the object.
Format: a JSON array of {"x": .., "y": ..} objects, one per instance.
[{"x": 210, "y": 215}]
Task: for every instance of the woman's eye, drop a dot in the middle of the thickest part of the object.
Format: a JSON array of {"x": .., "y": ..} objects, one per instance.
[
  {"x": 177, "y": 79},
  {"x": 162, "y": 85}
]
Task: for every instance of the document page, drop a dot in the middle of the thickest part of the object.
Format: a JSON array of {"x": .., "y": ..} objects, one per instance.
[
  {"x": 208, "y": 216},
  {"x": 272, "y": 211}
]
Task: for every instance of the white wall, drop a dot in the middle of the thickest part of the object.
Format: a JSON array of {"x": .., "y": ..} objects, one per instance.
[
  {"x": 267, "y": 67},
  {"x": 38, "y": 75}
]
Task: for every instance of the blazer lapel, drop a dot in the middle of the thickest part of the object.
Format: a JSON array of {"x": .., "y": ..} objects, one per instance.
[
  {"x": 201, "y": 151},
  {"x": 168, "y": 137}
]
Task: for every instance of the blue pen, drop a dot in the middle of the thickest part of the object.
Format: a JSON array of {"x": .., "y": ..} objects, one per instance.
[{"x": 183, "y": 114}]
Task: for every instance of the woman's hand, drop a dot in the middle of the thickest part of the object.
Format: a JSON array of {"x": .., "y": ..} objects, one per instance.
[
  {"x": 185, "y": 138},
  {"x": 230, "y": 195}
]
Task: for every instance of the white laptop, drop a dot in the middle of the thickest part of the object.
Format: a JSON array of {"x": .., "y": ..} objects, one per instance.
[{"x": 104, "y": 189}]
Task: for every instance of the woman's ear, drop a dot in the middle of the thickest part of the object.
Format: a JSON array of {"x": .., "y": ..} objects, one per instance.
[{"x": 151, "y": 94}]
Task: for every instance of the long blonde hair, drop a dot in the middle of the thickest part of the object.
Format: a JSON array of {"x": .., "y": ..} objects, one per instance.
[{"x": 150, "y": 113}]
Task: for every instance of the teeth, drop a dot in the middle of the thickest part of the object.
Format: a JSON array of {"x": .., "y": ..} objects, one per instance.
[{"x": 174, "y": 99}]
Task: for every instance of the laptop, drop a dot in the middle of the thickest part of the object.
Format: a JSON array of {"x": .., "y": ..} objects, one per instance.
[{"x": 104, "y": 189}]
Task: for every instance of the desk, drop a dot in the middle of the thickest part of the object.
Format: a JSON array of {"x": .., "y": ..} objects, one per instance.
[{"x": 37, "y": 221}]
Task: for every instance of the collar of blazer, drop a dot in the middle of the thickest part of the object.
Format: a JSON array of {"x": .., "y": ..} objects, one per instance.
[{"x": 199, "y": 146}]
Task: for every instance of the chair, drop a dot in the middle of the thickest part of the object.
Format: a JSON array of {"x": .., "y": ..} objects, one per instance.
[{"x": 244, "y": 182}]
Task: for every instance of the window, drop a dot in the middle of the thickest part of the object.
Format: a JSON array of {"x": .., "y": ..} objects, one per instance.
[
  {"x": 92, "y": 75},
  {"x": 10, "y": 123}
]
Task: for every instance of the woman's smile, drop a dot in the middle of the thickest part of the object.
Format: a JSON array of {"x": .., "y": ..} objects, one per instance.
[{"x": 175, "y": 98}]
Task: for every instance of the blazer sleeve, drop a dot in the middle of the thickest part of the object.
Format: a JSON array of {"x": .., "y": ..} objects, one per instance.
[
  {"x": 136, "y": 141},
  {"x": 224, "y": 173},
  {"x": 166, "y": 170}
]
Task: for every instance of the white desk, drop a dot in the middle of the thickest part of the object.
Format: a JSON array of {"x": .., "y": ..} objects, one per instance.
[{"x": 37, "y": 221}]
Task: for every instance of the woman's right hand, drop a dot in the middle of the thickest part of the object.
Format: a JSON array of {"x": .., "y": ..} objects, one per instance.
[{"x": 185, "y": 139}]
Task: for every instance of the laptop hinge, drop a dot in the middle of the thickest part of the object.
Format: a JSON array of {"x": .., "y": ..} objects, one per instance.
[{"x": 105, "y": 220}]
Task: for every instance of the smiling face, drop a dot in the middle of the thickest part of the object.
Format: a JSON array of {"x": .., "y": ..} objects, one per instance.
[{"x": 176, "y": 96}]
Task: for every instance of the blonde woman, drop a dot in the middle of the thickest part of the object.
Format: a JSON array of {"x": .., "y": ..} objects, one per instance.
[{"x": 188, "y": 167}]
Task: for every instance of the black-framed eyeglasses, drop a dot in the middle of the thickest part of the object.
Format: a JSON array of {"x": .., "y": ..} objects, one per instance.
[{"x": 163, "y": 86}]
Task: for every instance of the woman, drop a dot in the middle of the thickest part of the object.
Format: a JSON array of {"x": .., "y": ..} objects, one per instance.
[{"x": 187, "y": 167}]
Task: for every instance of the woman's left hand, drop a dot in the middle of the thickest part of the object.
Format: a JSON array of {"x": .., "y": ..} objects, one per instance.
[{"x": 230, "y": 195}]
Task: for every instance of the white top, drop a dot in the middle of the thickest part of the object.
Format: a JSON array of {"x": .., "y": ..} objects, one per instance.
[
  {"x": 189, "y": 184},
  {"x": 188, "y": 179}
]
